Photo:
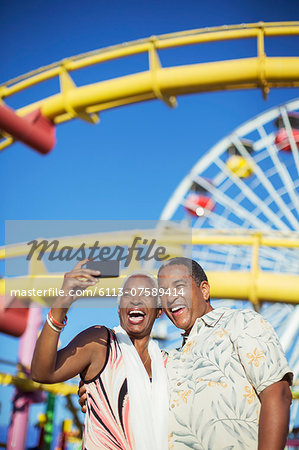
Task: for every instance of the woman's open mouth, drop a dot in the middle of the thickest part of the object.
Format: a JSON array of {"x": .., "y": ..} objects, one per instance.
[{"x": 136, "y": 316}]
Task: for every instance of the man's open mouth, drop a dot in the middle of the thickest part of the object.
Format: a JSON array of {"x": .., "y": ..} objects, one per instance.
[
  {"x": 136, "y": 316},
  {"x": 178, "y": 309}
]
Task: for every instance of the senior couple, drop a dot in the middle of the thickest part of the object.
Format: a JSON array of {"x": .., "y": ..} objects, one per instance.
[{"x": 227, "y": 387}]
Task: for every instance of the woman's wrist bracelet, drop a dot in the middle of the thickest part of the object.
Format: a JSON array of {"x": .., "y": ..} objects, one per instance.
[
  {"x": 51, "y": 325},
  {"x": 55, "y": 322}
]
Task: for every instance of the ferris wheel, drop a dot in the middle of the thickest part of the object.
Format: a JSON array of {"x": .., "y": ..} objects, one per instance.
[{"x": 249, "y": 180}]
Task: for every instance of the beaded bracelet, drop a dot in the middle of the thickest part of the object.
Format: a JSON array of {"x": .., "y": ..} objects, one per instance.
[
  {"x": 51, "y": 325},
  {"x": 57, "y": 324}
]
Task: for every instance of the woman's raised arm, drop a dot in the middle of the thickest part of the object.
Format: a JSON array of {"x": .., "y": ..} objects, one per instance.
[{"x": 50, "y": 366}]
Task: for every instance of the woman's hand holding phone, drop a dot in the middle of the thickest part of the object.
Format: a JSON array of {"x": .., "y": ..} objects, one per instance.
[{"x": 75, "y": 282}]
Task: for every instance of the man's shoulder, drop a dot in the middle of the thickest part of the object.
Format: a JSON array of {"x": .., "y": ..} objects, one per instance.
[
  {"x": 237, "y": 321},
  {"x": 245, "y": 323},
  {"x": 235, "y": 314}
]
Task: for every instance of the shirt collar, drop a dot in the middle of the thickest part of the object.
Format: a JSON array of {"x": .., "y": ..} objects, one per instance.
[
  {"x": 210, "y": 319},
  {"x": 213, "y": 317}
]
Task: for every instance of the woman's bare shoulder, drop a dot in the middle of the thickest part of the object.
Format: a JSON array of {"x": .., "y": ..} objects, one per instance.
[{"x": 94, "y": 335}]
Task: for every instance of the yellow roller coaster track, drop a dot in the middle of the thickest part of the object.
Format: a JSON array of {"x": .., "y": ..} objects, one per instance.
[
  {"x": 163, "y": 83},
  {"x": 255, "y": 285},
  {"x": 27, "y": 385}
]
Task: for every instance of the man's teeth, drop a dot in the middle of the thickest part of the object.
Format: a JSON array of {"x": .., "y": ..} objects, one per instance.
[{"x": 176, "y": 308}]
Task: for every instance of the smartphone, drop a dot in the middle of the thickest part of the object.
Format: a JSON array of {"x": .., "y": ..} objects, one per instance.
[{"x": 108, "y": 269}]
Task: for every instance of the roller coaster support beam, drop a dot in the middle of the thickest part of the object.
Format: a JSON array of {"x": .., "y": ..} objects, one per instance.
[
  {"x": 18, "y": 426},
  {"x": 34, "y": 130}
]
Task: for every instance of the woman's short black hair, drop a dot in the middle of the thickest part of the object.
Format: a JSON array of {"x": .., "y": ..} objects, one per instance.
[{"x": 195, "y": 269}]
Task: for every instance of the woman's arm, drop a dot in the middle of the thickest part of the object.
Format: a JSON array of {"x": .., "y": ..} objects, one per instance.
[
  {"x": 86, "y": 354},
  {"x": 50, "y": 366}
]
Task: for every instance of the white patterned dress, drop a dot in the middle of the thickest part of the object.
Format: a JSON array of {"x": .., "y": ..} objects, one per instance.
[{"x": 229, "y": 357}]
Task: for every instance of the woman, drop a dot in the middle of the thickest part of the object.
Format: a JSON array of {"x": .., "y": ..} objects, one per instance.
[{"x": 122, "y": 369}]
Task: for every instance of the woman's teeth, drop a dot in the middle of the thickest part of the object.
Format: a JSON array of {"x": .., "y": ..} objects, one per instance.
[
  {"x": 136, "y": 312},
  {"x": 136, "y": 316}
]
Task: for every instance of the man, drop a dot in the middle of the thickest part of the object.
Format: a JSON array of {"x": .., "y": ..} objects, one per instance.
[{"x": 229, "y": 382}]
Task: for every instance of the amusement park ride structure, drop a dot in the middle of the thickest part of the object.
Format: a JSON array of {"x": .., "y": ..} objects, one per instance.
[
  {"x": 164, "y": 83},
  {"x": 240, "y": 200}
]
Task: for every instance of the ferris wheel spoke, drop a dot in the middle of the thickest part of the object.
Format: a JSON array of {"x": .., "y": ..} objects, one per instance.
[
  {"x": 268, "y": 256},
  {"x": 281, "y": 169},
  {"x": 251, "y": 196},
  {"x": 292, "y": 329},
  {"x": 179, "y": 192},
  {"x": 282, "y": 191},
  {"x": 218, "y": 220},
  {"x": 295, "y": 357},
  {"x": 225, "y": 261},
  {"x": 229, "y": 203},
  {"x": 265, "y": 182},
  {"x": 277, "y": 313}
]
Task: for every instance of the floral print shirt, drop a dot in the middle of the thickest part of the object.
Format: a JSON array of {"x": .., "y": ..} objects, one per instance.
[{"x": 229, "y": 357}]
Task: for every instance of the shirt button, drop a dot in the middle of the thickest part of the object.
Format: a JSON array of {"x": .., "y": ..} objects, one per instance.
[
  {"x": 173, "y": 405},
  {"x": 183, "y": 359},
  {"x": 179, "y": 383}
]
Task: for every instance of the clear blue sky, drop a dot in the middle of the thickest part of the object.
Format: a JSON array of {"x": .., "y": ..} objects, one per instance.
[
  {"x": 127, "y": 166},
  {"x": 136, "y": 156}
]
